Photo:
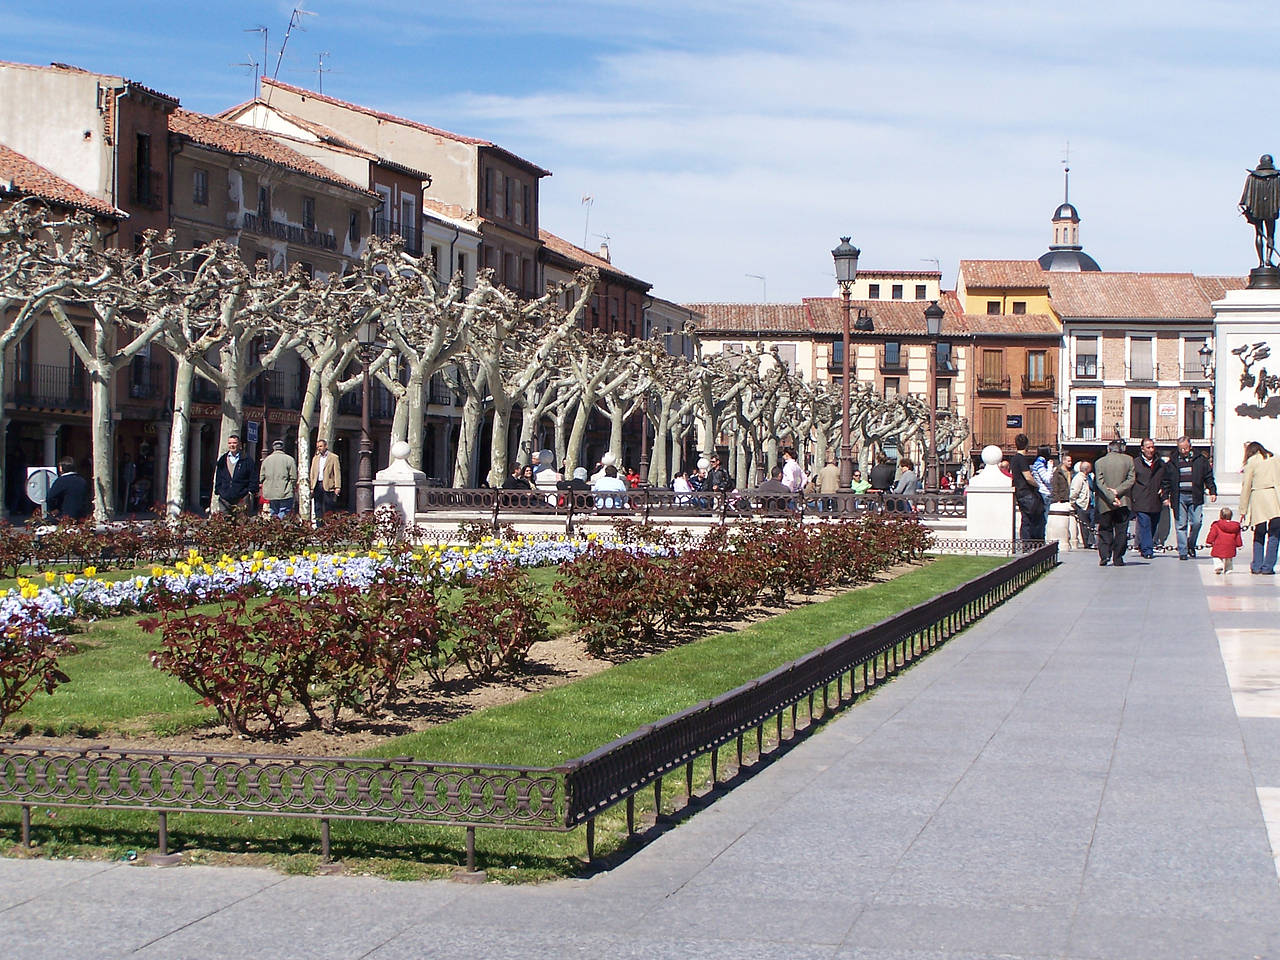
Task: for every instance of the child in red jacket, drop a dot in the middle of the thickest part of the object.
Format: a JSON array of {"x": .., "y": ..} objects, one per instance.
[{"x": 1224, "y": 538}]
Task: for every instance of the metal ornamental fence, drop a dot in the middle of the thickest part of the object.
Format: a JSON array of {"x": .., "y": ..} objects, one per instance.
[{"x": 471, "y": 796}]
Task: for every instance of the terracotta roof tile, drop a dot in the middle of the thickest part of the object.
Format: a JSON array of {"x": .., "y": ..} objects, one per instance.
[
  {"x": 1010, "y": 274},
  {"x": 752, "y": 318},
  {"x": 887, "y": 316},
  {"x": 248, "y": 141},
  {"x": 1215, "y": 288},
  {"x": 1145, "y": 296},
  {"x": 434, "y": 131},
  {"x": 32, "y": 180},
  {"x": 901, "y": 274},
  {"x": 1013, "y": 324},
  {"x": 570, "y": 252}
]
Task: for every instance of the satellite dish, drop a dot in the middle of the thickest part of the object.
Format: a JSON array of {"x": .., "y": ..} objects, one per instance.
[{"x": 39, "y": 480}]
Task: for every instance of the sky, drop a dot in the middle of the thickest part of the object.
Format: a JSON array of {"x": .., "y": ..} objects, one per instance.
[{"x": 723, "y": 139}]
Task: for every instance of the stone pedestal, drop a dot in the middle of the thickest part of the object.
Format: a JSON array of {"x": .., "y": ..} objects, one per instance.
[
  {"x": 989, "y": 501},
  {"x": 398, "y": 484},
  {"x": 1246, "y": 401}
]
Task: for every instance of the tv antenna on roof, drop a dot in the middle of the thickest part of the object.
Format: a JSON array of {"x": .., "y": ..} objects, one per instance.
[
  {"x": 259, "y": 65},
  {"x": 295, "y": 20},
  {"x": 253, "y": 65},
  {"x": 587, "y": 201},
  {"x": 764, "y": 285},
  {"x": 321, "y": 70}
]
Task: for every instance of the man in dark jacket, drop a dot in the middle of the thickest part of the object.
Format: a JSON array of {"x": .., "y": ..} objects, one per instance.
[
  {"x": 69, "y": 495},
  {"x": 1150, "y": 493},
  {"x": 1190, "y": 475},
  {"x": 1026, "y": 492},
  {"x": 235, "y": 480},
  {"x": 717, "y": 476}
]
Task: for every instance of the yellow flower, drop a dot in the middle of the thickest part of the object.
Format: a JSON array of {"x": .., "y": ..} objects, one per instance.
[
  {"x": 288, "y": 571},
  {"x": 208, "y": 569},
  {"x": 69, "y": 577},
  {"x": 49, "y": 577},
  {"x": 157, "y": 571},
  {"x": 258, "y": 554},
  {"x": 90, "y": 571},
  {"x": 23, "y": 581},
  {"x": 139, "y": 581}
]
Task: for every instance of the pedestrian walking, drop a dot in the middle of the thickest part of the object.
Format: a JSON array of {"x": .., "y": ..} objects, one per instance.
[
  {"x": 69, "y": 496},
  {"x": 1026, "y": 492},
  {"x": 1224, "y": 539},
  {"x": 1190, "y": 477},
  {"x": 1260, "y": 506},
  {"x": 1113, "y": 479},
  {"x": 235, "y": 480},
  {"x": 324, "y": 480},
  {"x": 1082, "y": 504},
  {"x": 1150, "y": 495},
  {"x": 1061, "y": 517},
  {"x": 279, "y": 479}
]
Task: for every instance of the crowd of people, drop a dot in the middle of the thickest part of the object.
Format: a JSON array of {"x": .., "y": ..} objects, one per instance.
[{"x": 1121, "y": 499}]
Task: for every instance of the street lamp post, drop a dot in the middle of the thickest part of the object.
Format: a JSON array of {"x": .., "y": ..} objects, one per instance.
[
  {"x": 846, "y": 258},
  {"x": 933, "y": 315},
  {"x": 1206, "y": 368},
  {"x": 366, "y": 334}
]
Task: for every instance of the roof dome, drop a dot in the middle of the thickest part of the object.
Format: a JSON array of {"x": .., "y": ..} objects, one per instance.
[
  {"x": 1066, "y": 211},
  {"x": 1068, "y": 259}
]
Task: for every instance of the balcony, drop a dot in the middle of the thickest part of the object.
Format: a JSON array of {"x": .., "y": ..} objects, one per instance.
[
  {"x": 382, "y": 406},
  {"x": 893, "y": 362},
  {"x": 440, "y": 394},
  {"x": 50, "y": 387},
  {"x": 990, "y": 385},
  {"x": 204, "y": 391},
  {"x": 284, "y": 390},
  {"x": 1142, "y": 372},
  {"x": 1088, "y": 368},
  {"x": 145, "y": 380},
  {"x": 146, "y": 189},
  {"x": 1195, "y": 374},
  {"x": 1042, "y": 386},
  {"x": 408, "y": 232},
  {"x": 1003, "y": 438}
]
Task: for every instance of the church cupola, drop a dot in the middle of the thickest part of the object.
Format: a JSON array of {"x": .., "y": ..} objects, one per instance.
[{"x": 1065, "y": 252}]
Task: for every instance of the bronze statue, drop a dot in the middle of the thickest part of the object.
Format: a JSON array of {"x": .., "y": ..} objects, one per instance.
[{"x": 1260, "y": 204}]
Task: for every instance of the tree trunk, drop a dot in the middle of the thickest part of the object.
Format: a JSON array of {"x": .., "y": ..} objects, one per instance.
[
  {"x": 416, "y": 425},
  {"x": 617, "y": 420},
  {"x": 573, "y": 451},
  {"x": 468, "y": 439},
  {"x": 100, "y": 393},
  {"x": 498, "y": 438},
  {"x": 179, "y": 436}
]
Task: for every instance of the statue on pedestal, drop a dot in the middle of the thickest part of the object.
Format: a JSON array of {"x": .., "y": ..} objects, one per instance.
[{"x": 1260, "y": 204}]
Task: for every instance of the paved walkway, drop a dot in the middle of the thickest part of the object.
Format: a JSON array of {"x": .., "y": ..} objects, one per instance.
[{"x": 1087, "y": 773}]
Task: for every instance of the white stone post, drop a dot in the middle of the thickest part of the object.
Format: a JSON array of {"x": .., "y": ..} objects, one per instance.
[{"x": 989, "y": 501}]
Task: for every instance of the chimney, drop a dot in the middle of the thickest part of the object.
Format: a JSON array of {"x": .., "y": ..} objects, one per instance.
[{"x": 603, "y": 253}]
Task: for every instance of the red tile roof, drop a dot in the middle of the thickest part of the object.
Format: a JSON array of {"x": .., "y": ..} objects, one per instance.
[
  {"x": 567, "y": 250},
  {"x": 1131, "y": 296},
  {"x": 1215, "y": 288},
  {"x": 32, "y": 180},
  {"x": 752, "y": 318},
  {"x": 901, "y": 274},
  {"x": 434, "y": 131},
  {"x": 1013, "y": 324},
  {"x": 1010, "y": 274},
  {"x": 248, "y": 141},
  {"x": 887, "y": 316}
]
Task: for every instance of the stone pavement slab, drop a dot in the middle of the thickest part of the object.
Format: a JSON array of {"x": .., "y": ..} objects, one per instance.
[{"x": 1092, "y": 771}]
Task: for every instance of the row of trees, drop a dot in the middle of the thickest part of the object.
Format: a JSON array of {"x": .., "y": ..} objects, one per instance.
[{"x": 227, "y": 323}]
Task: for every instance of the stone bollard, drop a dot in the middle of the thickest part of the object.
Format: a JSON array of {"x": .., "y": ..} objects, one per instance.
[{"x": 989, "y": 501}]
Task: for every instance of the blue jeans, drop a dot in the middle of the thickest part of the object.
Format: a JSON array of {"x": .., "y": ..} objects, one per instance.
[
  {"x": 281, "y": 508},
  {"x": 1265, "y": 561},
  {"x": 1147, "y": 523},
  {"x": 1189, "y": 518}
]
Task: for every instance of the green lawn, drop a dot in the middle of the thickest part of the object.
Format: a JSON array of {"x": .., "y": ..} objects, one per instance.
[{"x": 542, "y": 729}]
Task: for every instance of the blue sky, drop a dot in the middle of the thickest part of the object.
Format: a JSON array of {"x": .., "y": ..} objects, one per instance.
[{"x": 720, "y": 139}]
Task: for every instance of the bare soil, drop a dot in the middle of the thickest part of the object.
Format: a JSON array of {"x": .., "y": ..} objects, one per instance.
[{"x": 422, "y": 703}]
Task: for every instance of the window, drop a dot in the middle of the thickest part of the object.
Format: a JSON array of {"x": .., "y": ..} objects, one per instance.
[
  {"x": 353, "y": 226},
  {"x": 462, "y": 267},
  {"x": 1087, "y": 418},
  {"x": 528, "y": 207},
  {"x": 993, "y": 308},
  {"x": 409, "y": 221},
  {"x": 943, "y": 398},
  {"x": 1019, "y": 307},
  {"x": 512, "y": 271},
  {"x": 1037, "y": 426},
  {"x": 200, "y": 187},
  {"x": 1035, "y": 367},
  {"x": 142, "y": 170},
  {"x": 787, "y": 354},
  {"x": 1191, "y": 368},
  {"x": 1141, "y": 366},
  {"x": 488, "y": 188},
  {"x": 1193, "y": 418},
  {"x": 527, "y": 276},
  {"x": 897, "y": 291},
  {"x": 893, "y": 354},
  {"x": 309, "y": 269},
  {"x": 506, "y": 196},
  {"x": 308, "y": 213},
  {"x": 435, "y": 259},
  {"x": 944, "y": 356},
  {"x": 1139, "y": 417},
  {"x": 264, "y": 204},
  {"x": 921, "y": 291},
  {"x": 892, "y": 386},
  {"x": 991, "y": 425},
  {"x": 1087, "y": 358},
  {"x": 517, "y": 201},
  {"x": 873, "y": 291},
  {"x": 837, "y": 354}
]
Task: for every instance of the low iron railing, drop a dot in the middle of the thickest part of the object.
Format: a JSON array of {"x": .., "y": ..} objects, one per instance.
[
  {"x": 471, "y": 796},
  {"x": 646, "y": 504}
]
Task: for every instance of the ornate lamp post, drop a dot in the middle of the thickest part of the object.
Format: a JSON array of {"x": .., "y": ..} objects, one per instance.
[
  {"x": 1206, "y": 368},
  {"x": 933, "y": 315},
  {"x": 846, "y": 258},
  {"x": 366, "y": 335}
]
